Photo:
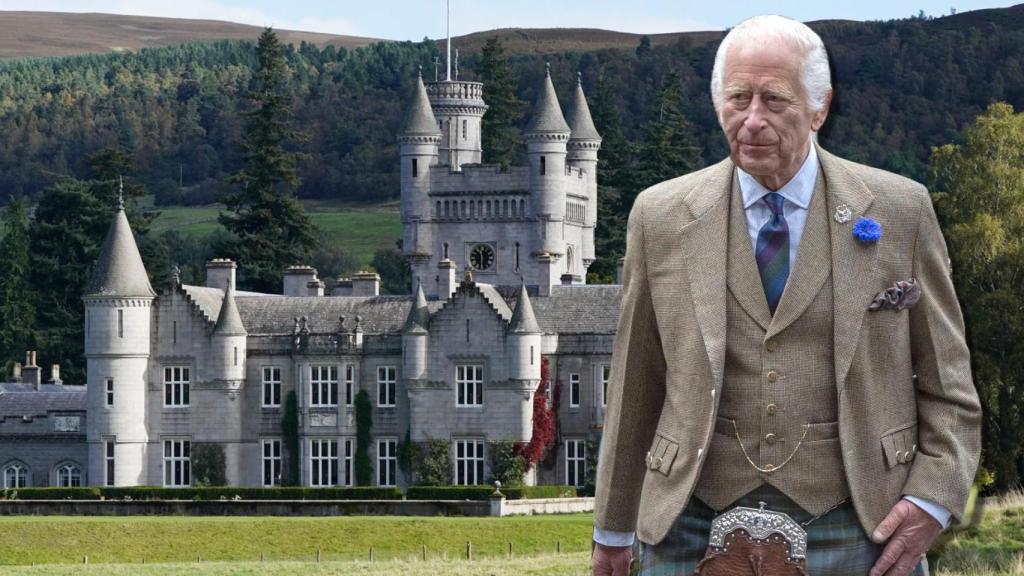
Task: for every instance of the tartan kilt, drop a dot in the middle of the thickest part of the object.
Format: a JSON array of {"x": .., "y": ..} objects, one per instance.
[{"x": 836, "y": 543}]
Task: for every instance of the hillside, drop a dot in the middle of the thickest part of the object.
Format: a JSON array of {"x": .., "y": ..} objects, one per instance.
[{"x": 29, "y": 34}]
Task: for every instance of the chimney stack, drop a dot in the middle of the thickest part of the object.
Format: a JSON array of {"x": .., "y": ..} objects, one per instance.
[
  {"x": 446, "y": 283},
  {"x": 55, "y": 374},
  {"x": 30, "y": 373},
  {"x": 618, "y": 270},
  {"x": 16, "y": 373},
  {"x": 342, "y": 287},
  {"x": 366, "y": 284},
  {"x": 219, "y": 272},
  {"x": 297, "y": 280}
]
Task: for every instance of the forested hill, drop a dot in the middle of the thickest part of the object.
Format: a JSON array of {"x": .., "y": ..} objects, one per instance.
[{"x": 903, "y": 87}]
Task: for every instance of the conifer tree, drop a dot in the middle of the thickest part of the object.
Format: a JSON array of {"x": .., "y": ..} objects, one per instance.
[
  {"x": 17, "y": 309},
  {"x": 271, "y": 229},
  {"x": 500, "y": 140}
]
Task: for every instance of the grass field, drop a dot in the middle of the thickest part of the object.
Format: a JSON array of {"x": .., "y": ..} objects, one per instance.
[
  {"x": 30, "y": 539},
  {"x": 358, "y": 229}
]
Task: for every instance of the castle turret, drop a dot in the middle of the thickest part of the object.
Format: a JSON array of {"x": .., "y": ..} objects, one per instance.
[
  {"x": 546, "y": 137},
  {"x": 227, "y": 343},
  {"x": 459, "y": 108},
  {"x": 418, "y": 146},
  {"x": 523, "y": 340},
  {"x": 583, "y": 146},
  {"x": 414, "y": 339},
  {"x": 118, "y": 305}
]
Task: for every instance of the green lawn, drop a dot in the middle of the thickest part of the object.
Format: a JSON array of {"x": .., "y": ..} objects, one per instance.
[
  {"x": 30, "y": 539},
  {"x": 358, "y": 229}
]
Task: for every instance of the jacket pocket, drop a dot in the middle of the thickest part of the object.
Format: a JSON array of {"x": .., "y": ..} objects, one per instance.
[
  {"x": 899, "y": 445},
  {"x": 662, "y": 454}
]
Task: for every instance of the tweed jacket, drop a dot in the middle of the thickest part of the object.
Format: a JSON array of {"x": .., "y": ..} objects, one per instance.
[{"x": 902, "y": 377}]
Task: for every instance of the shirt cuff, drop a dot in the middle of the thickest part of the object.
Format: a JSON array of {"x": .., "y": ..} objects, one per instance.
[
  {"x": 612, "y": 538},
  {"x": 936, "y": 511}
]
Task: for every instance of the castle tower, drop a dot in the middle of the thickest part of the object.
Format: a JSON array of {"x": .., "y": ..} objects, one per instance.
[
  {"x": 227, "y": 343},
  {"x": 219, "y": 399},
  {"x": 547, "y": 135},
  {"x": 459, "y": 108},
  {"x": 118, "y": 306},
  {"x": 418, "y": 146},
  {"x": 523, "y": 340},
  {"x": 583, "y": 147},
  {"x": 414, "y": 340}
]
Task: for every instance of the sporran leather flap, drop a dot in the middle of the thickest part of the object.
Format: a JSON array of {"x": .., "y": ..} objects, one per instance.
[{"x": 754, "y": 542}]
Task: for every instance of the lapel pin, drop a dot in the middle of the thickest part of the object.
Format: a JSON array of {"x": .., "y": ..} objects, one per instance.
[{"x": 843, "y": 214}]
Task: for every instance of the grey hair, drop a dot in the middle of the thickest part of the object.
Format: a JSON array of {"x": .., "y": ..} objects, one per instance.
[{"x": 766, "y": 30}]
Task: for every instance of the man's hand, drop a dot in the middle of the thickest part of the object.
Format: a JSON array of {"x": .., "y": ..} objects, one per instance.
[
  {"x": 611, "y": 560},
  {"x": 910, "y": 532}
]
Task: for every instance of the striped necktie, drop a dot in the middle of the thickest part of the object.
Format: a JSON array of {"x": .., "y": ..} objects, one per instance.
[{"x": 772, "y": 253}]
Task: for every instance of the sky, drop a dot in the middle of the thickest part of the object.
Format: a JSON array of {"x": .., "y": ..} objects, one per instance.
[{"x": 416, "y": 19}]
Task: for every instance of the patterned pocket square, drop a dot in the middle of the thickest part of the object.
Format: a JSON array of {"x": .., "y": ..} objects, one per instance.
[{"x": 902, "y": 294}]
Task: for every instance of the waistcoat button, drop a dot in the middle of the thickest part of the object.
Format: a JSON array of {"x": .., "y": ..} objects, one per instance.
[
  {"x": 772, "y": 409},
  {"x": 769, "y": 438},
  {"x": 773, "y": 376}
]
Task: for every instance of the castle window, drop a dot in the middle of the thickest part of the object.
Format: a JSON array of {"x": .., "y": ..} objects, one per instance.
[
  {"x": 69, "y": 476},
  {"x": 446, "y": 211},
  {"x": 469, "y": 461},
  {"x": 504, "y": 208},
  {"x": 325, "y": 462},
  {"x": 465, "y": 131},
  {"x": 236, "y": 355},
  {"x": 272, "y": 462},
  {"x": 574, "y": 390},
  {"x": 387, "y": 461},
  {"x": 445, "y": 245},
  {"x": 531, "y": 355},
  {"x": 108, "y": 460},
  {"x": 575, "y": 462},
  {"x": 15, "y": 476},
  {"x": 605, "y": 371},
  {"x": 120, "y": 323},
  {"x": 488, "y": 205},
  {"x": 543, "y": 166},
  {"x": 469, "y": 384},
  {"x": 271, "y": 386},
  {"x": 415, "y": 169},
  {"x": 110, "y": 391},
  {"x": 177, "y": 463},
  {"x": 517, "y": 256},
  {"x": 174, "y": 332},
  {"x": 176, "y": 384},
  {"x": 350, "y": 383},
  {"x": 437, "y": 209},
  {"x": 323, "y": 383},
  {"x": 385, "y": 386}
]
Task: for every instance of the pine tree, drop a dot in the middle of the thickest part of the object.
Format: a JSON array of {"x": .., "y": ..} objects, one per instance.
[
  {"x": 17, "y": 309},
  {"x": 70, "y": 225},
  {"x": 667, "y": 146},
  {"x": 500, "y": 140},
  {"x": 271, "y": 228}
]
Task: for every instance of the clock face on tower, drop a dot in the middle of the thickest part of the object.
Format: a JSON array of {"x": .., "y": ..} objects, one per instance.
[{"x": 481, "y": 257}]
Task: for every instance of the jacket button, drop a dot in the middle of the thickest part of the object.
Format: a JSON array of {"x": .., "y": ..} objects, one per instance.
[
  {"x": 770, "y": 438},
  {"x": 772, "y": 409},
  {"x": 773, "y": 376},
  {"x": 899, "y": 457},
  {"x": 657, "y": 462},
  {"x": 771, "y": 345}
]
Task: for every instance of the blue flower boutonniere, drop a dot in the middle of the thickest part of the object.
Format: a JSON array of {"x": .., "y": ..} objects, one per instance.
[{"x": 867, "y": 230}]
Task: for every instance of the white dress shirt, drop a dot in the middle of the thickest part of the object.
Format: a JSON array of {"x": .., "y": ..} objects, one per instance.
[{"x": 797, "y": 194}]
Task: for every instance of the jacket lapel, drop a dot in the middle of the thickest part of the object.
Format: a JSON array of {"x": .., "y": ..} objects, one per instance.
[
  {"x": 743, "y": 277},
  {"x": 812, "y": 266},
  {"x": 704, "y": 250},
  {"x": 853, "y": 262}
]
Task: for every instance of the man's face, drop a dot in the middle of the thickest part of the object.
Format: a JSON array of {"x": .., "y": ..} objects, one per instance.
[{"x": 764, "y": 112}]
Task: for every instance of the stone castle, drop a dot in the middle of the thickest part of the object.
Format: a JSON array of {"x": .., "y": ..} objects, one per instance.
[{"x": 458, "y": 361}]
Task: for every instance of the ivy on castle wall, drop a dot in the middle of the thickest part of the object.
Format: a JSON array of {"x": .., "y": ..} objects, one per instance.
[
  {"x": 432, "y": 463},
  {"x": 208, "y": 464},
  {"x": 545, "y": 424},
  {"x": 364, "y": 423},
  {"x": 507, "y": 465},
  {"x": 290, "y": 432}
]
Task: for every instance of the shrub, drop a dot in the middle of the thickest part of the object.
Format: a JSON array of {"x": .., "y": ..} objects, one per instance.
[
  {"x": 508, "y": 466},
  {"x": 483, "y": 492},
  {"x": 432, "y": 463},
  {"x": 364, "y": 423},
  {"x": 85, "y": 493},
  {"x": 208, "y": 465}
]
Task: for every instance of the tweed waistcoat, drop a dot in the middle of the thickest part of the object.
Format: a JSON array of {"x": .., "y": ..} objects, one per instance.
[{"x": 779, "y": 376}]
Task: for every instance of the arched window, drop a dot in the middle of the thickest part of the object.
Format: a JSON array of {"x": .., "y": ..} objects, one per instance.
[
  {"x": 69, "y": 476},
  {"x": 504, "y": 208},
  {"x": 543, "y": 166},
  {"x": 570, "y": 257},
  {"x": 437, "y": 209},
  {"x": 15, "y": 476}
]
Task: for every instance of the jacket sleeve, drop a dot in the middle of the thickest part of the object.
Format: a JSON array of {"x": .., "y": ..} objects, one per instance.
[
  {"x": 636, "y": 391},
  {"x": 949, "y": 413}
]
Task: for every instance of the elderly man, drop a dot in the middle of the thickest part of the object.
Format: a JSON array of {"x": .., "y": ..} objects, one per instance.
[{"x": 790, "y": 366}]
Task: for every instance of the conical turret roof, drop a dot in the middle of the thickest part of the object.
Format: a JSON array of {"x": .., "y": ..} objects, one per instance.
[
  {"x": 419, "y": 117},
  {"x": 119, "y": 270},
  {"x": 419, "y": 314},
  {"x": 523, "y": 319},
  {"x": 547, "y": 114},
  {"x": 580, "y": 121},
  {"x": 229, "y": 321}
]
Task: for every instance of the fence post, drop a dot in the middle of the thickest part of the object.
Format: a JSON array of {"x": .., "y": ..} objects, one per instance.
[
  {"x": 85, "y": 559},
  {"x": 469, "y": 550},
  {"x": 263, "y": 556},
  {"x": 558, "y": 546},
  {"x": 509, "y": 550},
  {"x": 371, "y": 553},
  {"x": 424, "y": 550},
  {"x": 317, "y": 554}
]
